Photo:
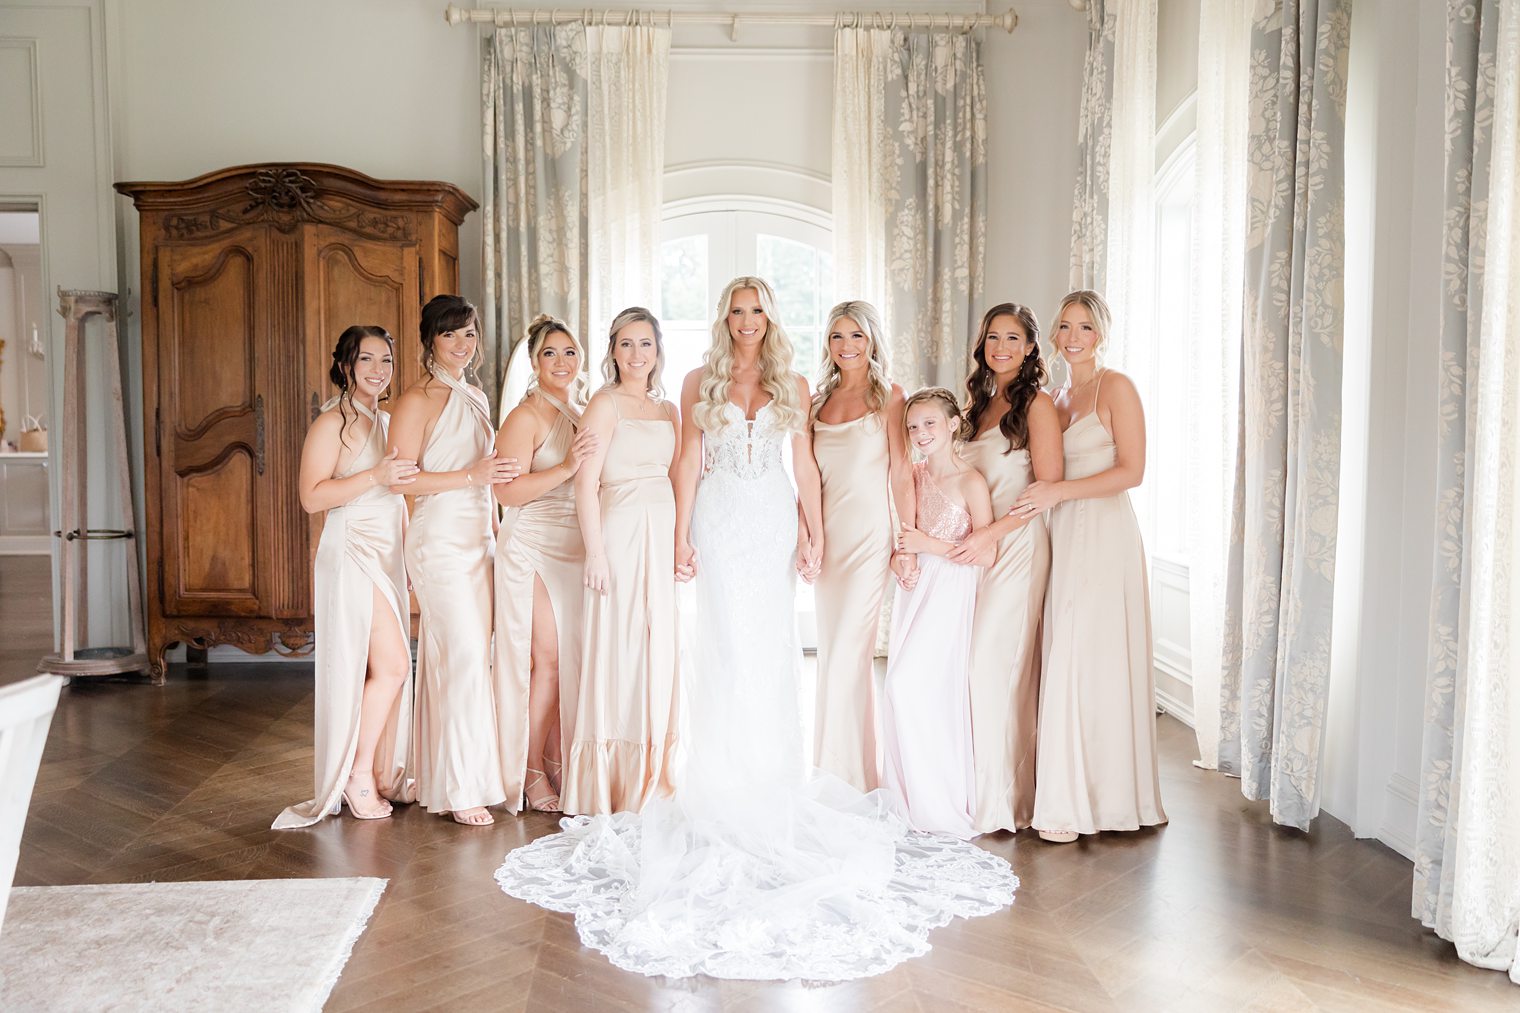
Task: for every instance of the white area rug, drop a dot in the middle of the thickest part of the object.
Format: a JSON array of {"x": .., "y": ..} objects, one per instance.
[{"x": 270, "y": 944}]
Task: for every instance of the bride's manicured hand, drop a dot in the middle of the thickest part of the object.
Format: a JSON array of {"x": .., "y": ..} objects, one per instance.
[
  {"x": 973, "y": 548},
  {"x": 809, "y": 558},
  {"x": 686, "y": 562},
  {"x": 584, "y": 446},
  {"x": 492, "y": 470},
  {"x": 910, "y": 539},
  {"x": 393, "y": 471},
  {"x": 596, "y": 573},
  {"x": 1037, "y": 498}
]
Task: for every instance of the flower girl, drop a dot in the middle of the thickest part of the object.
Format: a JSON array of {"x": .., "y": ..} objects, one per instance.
[{"x": 926, "y": 712}]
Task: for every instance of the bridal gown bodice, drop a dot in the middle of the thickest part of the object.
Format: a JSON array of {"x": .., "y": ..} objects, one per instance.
[
  {"x": 753, "y": 870},
  {"x": 742, "y": 642}
]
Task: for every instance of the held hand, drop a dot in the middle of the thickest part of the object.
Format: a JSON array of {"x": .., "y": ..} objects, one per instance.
[
  {"x": 1037, "y": 498},
  {"x": 686, "y": 562},
  {"x": 905, "y": 567},
  {"x": 492, "y": 470},
  {"x": 809, "y": 558},
  {"x": 597, "y": 574},
  {"x": 584, "y": 446},
  {"x": 393, "y": 471},
  {"x": 910, "y": 539},
  {"x": 976, "y": 545}
]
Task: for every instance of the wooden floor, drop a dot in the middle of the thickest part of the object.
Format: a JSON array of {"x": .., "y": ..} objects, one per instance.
[{"x": 1219, "y": 910}]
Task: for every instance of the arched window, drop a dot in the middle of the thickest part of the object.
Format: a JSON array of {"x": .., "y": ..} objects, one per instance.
[{"x": 709, "y": 241}]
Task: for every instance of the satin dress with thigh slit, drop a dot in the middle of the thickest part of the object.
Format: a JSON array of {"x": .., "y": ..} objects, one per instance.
[{"x": 450, "y": 548}]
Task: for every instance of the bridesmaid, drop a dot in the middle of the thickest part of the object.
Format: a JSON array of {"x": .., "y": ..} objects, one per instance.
[
  {"x": 359, "y": 589},
  {"x": 1097, "y": 749},
  {"x": 926, "y": 709},
  {"x": 627, "y": 706},
  {"x": 862, "y": 456},
  {"x": 444, "y": 422},
  {"x": 539, "y": 559},
  {"x": 1012, "y": 436}
]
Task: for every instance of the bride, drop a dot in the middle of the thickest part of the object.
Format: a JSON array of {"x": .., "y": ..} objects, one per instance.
[{"x": 759, "y": 868}]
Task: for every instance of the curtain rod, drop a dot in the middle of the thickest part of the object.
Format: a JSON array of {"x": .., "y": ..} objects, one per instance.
[{"x": 504, "y": 17}]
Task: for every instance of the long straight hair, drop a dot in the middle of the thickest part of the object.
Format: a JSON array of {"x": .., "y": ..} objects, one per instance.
[
  {"x": 775, "y": 364},
  {"x": 610, "y": 371}
]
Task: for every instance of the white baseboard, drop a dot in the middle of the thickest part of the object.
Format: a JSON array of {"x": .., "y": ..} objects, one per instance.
[
  {"x": 1175, "y": 707},
  {"x": 1400, "y": 815}
]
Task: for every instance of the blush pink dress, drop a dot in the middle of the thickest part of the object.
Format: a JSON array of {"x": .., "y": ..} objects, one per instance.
[{"x": 926, "y": 704}]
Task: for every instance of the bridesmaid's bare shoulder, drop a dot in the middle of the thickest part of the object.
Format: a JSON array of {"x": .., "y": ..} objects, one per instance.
[
  {"x": 672, "y": 412},
  {"x": 1117, "y": 383},
  {"x": 1042, "y": 408}
]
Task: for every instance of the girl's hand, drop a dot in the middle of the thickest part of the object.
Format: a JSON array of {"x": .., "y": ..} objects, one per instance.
[
  {"x": 597, "y": 574},
  {"x": 585, "y": 445},
  {"x": 1037, "y": 498},
  {"x": 686, "y": 562},
  {"x": 976, "y": 546},
  {"x": 905, "y": 567},
  {"x": 393, "y": 471},
  {"x": 492, "y": 470},
  {"x": 910, "y": 539}
]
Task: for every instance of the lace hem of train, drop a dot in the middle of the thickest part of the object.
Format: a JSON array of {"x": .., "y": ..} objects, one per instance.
[{"x": 752, "y": 914}]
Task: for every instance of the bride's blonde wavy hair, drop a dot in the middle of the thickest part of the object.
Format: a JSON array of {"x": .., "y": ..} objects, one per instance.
[
  {"x": 775, "y": 364},
  {"x": 880, "y": 389}
]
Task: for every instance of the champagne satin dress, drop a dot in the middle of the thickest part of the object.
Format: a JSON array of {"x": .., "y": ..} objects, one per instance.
[
  {"x": 1005, "y": 646},
  {"x": 624, "y": 736},
  {"x": 926, "y": 741},
  {"x": 1097, "y": 749},
  {"x": 450, "y": 547},
  {"x": 359, "y": 551},
  {"x": 857, "y": 555},
  {"x": 540, "y": 540}
]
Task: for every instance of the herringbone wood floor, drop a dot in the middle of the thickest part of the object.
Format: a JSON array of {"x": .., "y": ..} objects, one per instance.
[{"x": 1219, "y": 910}]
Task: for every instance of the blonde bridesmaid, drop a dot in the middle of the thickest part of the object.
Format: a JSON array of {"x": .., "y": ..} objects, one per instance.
[
  {"x": 1097, "y": 751},
  {"x": 359, "y": 590},
  {"x": 624, "y": 734},
  {"x": 444, "y": 422},
  {"x": 862, "y": 457},
  {"x": 1012, "y": 436},
  {"x": 539, "y": 559}
]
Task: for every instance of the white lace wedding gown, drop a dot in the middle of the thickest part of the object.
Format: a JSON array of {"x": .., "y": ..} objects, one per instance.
[{"x": 759, "y": 868}]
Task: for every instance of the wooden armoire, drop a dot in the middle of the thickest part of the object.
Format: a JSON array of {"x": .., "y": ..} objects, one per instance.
[{"x": 248, "y": 277}]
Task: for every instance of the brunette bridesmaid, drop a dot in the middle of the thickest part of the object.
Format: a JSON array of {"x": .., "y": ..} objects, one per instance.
[
  {"x": 539, "y": 562},
  {"x": 624, "y": 734},
  {"x": 1013, "y": 437},
  {"x": 1097, "y": 750},
  {"x": 359, "y": 590},
  {"x": 862, "y": 457},
  {"x": 444, "y": 422}
]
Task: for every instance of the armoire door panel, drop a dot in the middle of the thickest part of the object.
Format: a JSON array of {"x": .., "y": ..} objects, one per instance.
[
  {"x": 351, "y": 280},
  {"x": 213, "y": 425}
]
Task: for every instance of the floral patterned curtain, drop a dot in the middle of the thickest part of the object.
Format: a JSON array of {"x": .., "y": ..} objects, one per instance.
[
  {"x": 574, "y": 155},
  {"x": 1467, "y": 839},
  {"x": 910, "y": 190},
  {"x": 1275, "y": 672},
  {"x": 536, "y": 250}
]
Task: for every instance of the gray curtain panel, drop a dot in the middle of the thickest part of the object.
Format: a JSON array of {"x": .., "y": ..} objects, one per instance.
[
  {"x": 1095, "y": 130},
  {"x": 1275, "y": 676},
  {"x": 1467, "y": 854},
  {"x": 536, "y": 250},
  {"x": 918, "y": 145}
]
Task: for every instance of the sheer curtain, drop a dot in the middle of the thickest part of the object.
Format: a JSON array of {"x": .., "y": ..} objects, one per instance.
[
  {"x": 1467, "y": 840},
  {"x": 574, "y": 139},
  {"x": 1275, "y": 669},
  {"x": 1113, "y": 243},
  {"x": 1213, "y": 356},
  {"x": 910, "y": 190}
]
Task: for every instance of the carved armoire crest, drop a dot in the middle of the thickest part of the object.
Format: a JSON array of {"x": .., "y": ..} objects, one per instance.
[{"x": 248, "y": 277}]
